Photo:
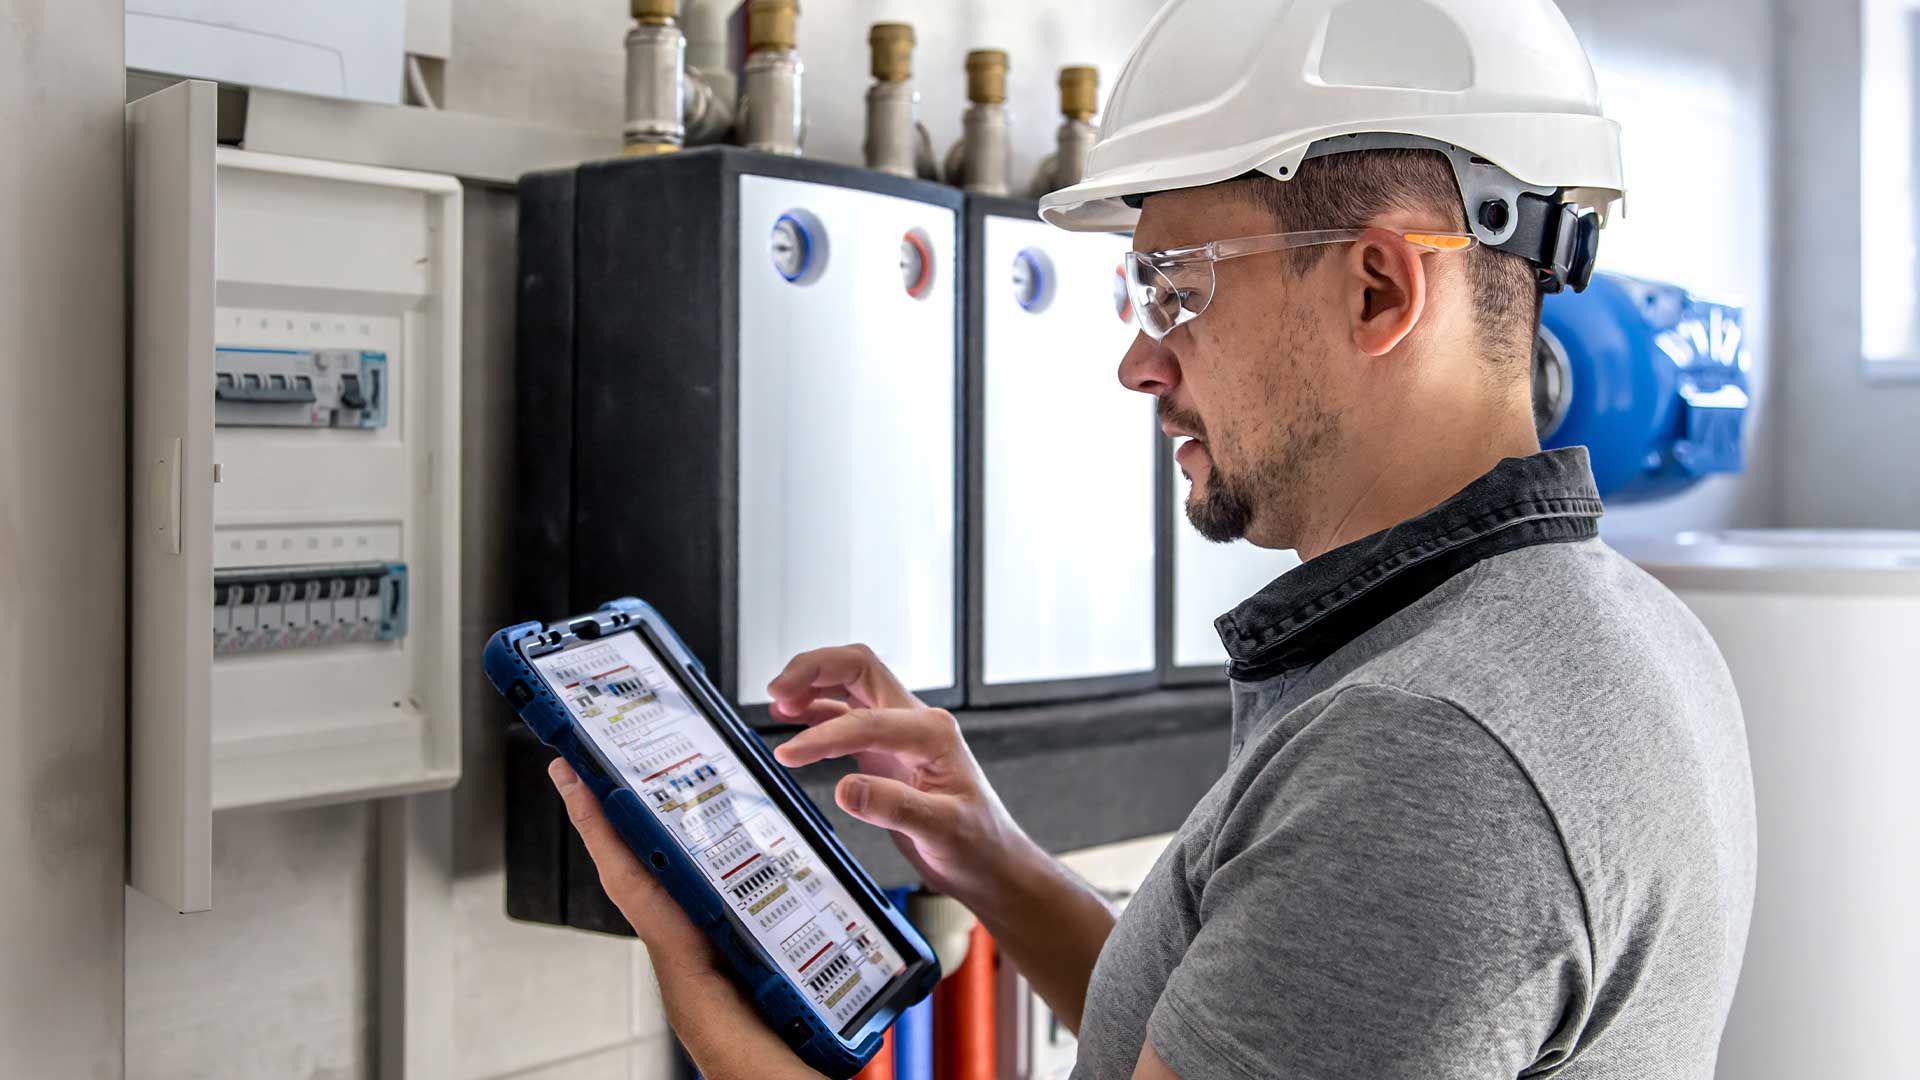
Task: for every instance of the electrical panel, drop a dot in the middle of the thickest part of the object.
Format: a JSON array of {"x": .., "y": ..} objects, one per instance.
[
  {"x": 1201, "y": 581},
  {"x": 738, "y": 396},
  {"x": 1061, "y": 482},
  {"x": 295, "y": 362}
]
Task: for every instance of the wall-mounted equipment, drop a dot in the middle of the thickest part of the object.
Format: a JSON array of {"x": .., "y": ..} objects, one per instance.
[
  {"x": 738, "y": 396},
  {"x": 1652, "y": 380},
  {"x": 982, "y": 161},
  {"x": 1199, "y": 581},
  {"x": 1079, "y": 100},
  {"x": 295, "y": 464},
  {"x": 1061, "y": 474}
]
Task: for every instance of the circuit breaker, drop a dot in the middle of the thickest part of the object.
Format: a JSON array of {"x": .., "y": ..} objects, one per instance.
[
  {"x": 294, "y": 340},
  {"x": 1061, "y": 493},
  {"x": 738, "y": 390}
]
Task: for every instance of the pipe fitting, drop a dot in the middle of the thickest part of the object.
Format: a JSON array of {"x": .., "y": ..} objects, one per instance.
[
  {"x": 656, "y": 91},
  {"x": 893, "y": 105},
  {"x": 1067, "y": 165},
  {"x": 982, "y": 161}
]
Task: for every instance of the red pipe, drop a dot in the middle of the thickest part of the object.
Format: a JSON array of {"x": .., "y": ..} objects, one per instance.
[{"x": 963, "y": 1015}]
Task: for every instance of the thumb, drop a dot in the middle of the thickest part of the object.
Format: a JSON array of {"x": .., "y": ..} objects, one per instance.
[{"x": 893, "y": 805}]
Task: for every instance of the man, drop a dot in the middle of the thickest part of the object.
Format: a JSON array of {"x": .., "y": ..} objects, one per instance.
[{"x": 1488, "y": 811}]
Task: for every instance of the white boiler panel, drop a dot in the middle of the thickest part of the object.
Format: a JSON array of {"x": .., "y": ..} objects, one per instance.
[
  {"x": 1210, "y": 580},
  {"x": 1067, "y": 453},
  {"x": 1821, "y": 631},
  {"x": 848, "y": 446}
]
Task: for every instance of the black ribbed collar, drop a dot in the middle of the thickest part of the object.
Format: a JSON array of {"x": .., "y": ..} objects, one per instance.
[{"x": 1321, "y": 605}]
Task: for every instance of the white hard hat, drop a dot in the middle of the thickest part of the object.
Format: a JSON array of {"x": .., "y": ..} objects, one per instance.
[{"x": 1217, "y": 89}]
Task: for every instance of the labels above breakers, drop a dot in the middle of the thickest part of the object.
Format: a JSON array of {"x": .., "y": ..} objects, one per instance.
[
  {"x": 298, "y": 606},
  {"x": 345, "y": 388}
]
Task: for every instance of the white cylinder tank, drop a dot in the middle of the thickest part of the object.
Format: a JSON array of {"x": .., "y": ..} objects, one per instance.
[{"x": 1821, "y": 630}]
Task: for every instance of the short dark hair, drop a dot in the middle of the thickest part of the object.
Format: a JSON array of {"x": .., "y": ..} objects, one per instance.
[{"x": 1347, "y": 191}]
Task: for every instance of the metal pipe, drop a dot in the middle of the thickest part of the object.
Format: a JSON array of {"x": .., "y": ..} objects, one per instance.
[
  {"x": 982, "y": 161},
  {"x": 1067, "y": 165},
  {"x": 771, "y": 117},
  {"x": 893, "y": 105},
  {"x": 713, "y": 91},
  {"x": 656, "y": 92}
]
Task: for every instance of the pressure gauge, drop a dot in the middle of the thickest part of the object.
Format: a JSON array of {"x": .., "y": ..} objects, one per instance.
[
  {"x": 798, "y": 246},
  {"x": 792, "y": 247},
  {"x": 1033, "y": 280},
  {"x": 1122, "y": 296},
  {"x": 916, "y": 264}
]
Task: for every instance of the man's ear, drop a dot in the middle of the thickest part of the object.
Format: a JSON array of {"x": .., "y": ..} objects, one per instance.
[{"x": 1386, "y": 288}]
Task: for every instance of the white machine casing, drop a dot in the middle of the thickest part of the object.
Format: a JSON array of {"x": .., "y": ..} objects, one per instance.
[
  {"x": 847, "y": 397},
  {"x": 1821, "y": 630},
  {"x": 1063, "y": 551},
  {"x": 1200, "y": 581},
  {"x": 265, "y": 252}
]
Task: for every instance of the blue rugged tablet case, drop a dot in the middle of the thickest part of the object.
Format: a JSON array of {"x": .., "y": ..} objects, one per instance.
[{"x": 773, "y": 996}]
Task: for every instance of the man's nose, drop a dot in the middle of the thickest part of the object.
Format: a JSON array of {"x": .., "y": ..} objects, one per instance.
[{"x": 1149, "y": 367}]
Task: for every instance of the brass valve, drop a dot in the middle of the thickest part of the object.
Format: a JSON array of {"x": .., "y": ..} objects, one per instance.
[
  {"x": 892, "y": 51},
  {"x": 656, "y": 11},
  {"x": 987, "y": 76},
  {"x": 1079, "y": 92},
  {"x": 770, "y": 24}
]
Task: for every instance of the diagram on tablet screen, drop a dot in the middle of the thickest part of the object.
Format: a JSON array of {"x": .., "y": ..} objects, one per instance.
[{"x": 684, "y": 771}]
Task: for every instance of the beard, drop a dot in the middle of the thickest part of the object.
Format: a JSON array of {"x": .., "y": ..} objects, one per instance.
[{"x": 1272, "y": 489}]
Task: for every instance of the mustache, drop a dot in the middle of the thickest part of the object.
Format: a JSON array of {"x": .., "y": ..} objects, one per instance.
[{"x": 1172, "y": 415}]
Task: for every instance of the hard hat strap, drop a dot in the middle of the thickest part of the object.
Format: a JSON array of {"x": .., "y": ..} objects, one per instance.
[{"x": 1559, "y": 240}]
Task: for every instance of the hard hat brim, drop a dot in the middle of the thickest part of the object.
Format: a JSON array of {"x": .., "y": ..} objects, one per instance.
[{"x": 1577, "y": 152}]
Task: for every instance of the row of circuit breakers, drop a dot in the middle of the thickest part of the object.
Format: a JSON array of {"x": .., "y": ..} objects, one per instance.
[
  {"x": 795, "y": 404},
  {"x": 304, "y": 604}
]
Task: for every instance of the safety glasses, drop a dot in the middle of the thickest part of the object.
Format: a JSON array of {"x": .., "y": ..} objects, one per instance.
[{"x": 1172, "y": 287}]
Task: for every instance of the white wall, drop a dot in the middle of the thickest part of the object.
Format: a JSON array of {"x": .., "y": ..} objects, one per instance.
[
  {"x": 563, "y": 63},
  {"x": 62, "y": 528},
  {"x": 1691, "y": 84},
  {"x": 1849, "y": 448}
]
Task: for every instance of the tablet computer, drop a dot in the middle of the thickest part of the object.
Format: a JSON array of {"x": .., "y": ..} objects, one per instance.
[{"x": 823, "y": 955}]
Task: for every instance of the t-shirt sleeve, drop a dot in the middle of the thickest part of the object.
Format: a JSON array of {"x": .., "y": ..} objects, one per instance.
[{"x": 1389, "y": 898}]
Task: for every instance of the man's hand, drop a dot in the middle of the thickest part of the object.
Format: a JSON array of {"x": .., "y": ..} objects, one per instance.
[
  {"x": 718, "y": 1026},
  {"x": 916, "y": 776}
]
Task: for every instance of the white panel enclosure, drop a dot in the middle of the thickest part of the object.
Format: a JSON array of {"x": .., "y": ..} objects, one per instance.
[
  {"x": 1210, "y": 580},
  {"x": 848, "y": 460},
  {"x": 303, "y": 267},
  {"x": 1068, "y": 462},
  {"x": 170, "y": 148}
]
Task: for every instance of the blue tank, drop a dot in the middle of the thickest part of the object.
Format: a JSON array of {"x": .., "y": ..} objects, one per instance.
[{"x": 1652, "y": 380}]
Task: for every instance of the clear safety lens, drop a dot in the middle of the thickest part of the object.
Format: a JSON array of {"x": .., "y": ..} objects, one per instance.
[{"x": 1163, "y": 298}]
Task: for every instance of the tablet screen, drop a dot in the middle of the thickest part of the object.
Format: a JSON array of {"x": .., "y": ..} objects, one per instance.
[{"x": 687, "y": 773}]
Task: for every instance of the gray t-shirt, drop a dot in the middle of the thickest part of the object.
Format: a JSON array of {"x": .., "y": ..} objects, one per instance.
[{"x": 1507, "y": 831}]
